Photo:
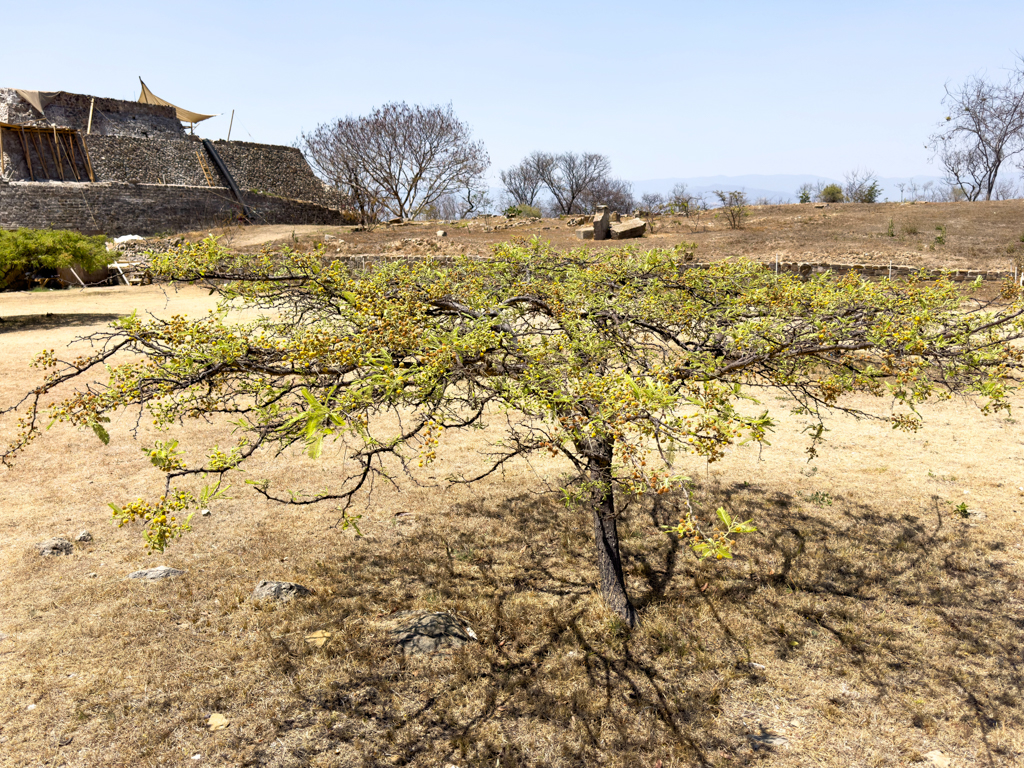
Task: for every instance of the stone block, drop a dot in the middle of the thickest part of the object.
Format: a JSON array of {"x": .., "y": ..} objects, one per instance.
[
  {"x": 585, "y": 233},
  {"x": 628, "y": 229},
  {"x": 602, "y": 221}
]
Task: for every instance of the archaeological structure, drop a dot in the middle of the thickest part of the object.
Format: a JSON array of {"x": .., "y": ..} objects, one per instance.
[{"x": 97, "y": 165}]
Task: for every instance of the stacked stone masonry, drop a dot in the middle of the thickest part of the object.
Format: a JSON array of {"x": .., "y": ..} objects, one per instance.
[
  {"x": 121, "y": 209},
  {"x": 141, "y": 155}
]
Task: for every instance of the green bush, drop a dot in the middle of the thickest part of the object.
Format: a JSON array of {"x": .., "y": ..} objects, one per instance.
[
  {"x": 833, "y": 193},
  {"x": 522, "y": 210},
  {"x": 25, "y": 250}
]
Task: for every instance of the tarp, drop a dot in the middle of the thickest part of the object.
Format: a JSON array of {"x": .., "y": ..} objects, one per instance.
[
  {"x": 147, "y": 97},
  {"x": 38, "y": 99}
]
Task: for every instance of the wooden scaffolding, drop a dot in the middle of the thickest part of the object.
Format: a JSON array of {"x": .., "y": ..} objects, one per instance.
[{"x": 64, "y": 148}]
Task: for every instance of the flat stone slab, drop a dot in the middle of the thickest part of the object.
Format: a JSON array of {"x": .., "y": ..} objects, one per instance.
[
  {"x": 279, "y": 590},
  {"x": 585, "y": 233},
  {"x": 628, "y": 229},
  {"x": 55, "y": 546},
  {"x": 153, "y": 574},
  {"x": 418, "y": 632}
]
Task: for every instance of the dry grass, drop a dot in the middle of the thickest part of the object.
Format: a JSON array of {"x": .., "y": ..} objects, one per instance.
[
  {"x": 984, "y": 237},
  {"x": 883, "y": 625}
]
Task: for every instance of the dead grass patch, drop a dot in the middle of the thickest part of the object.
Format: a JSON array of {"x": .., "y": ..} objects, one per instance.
[{"x": 865, "y": 624}]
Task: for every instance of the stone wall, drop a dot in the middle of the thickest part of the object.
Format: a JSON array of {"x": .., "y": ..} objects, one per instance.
[
  {"x": 111, "y": 117},
  {"x": 265, "y": 168},
  {"x": 141, "y": 209},
  {"x": 151, "y": 161},
  {"x": 274, "y": 170}
]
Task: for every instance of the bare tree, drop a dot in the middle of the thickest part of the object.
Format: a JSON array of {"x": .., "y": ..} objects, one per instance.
[
  {"x": 524, "y": 182},
  {"x": 569, "y": 175},
  {"x": 405, "y": 157},
  {"x": 861, "y": 186},
  {"x": 617, "y": 194},
  {"x": 983, "y": 129}
]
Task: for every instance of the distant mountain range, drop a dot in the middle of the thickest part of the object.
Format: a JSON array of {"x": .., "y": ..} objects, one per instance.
[{"x": 779, "y": 187}]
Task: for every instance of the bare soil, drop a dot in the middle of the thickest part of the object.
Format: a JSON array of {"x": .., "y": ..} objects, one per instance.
[
  {"x": 867, "y": 623},
  {"x": 980, "y": 237}
]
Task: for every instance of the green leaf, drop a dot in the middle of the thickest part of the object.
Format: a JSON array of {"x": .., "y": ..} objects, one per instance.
[
  {"x": 101, "y": 433},
  {"x": 724, "y": 517}
]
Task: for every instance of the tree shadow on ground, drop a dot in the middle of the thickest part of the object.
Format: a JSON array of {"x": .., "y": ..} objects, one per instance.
[
  {"x": 51, "y": 320},
  {"x": 894, "y": 609}
]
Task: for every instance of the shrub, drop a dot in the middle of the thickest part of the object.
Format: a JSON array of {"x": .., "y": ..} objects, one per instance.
[
  {"x": 25, "y": 250},
  {"x": 833, "y": 193},
  {"x": 522, "y": 210},
  {"x": 734, "y": 205}
]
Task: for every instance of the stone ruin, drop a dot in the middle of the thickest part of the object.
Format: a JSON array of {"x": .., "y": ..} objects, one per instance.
[
  {"x": 607, "y": 226},
  {"x": 116, "y": 167}
]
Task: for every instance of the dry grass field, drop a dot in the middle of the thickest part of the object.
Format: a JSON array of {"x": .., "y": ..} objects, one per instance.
[
  {"x": 986, "y": 237},
  {"x": 867, "y": 623}
]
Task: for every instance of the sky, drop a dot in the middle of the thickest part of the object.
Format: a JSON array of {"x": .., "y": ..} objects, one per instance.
[{"x": 665, "y": 89}]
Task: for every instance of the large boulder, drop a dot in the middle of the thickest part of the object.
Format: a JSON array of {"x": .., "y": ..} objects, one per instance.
[
  {"x": 279, "y": 590},
  {"x": 55, "y": 546},
  {"x": 628, "y": 229}
]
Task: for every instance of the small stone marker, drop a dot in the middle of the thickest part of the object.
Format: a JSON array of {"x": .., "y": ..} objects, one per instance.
[
  {"x": 417, "y": 632},
  {"x": 55, "y": 546},
  {"x": 159, "y": 572},
  {"x": 601, "y": 222},
  {"x": 279, "y": 590},
  {"x": 83, "y": 537}
]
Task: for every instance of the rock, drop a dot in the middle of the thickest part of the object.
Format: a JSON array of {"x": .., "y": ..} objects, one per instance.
[
  {"x": 442, "y": 233},
  {"x": 601, "y": 222},
  {"x": 821, "y": 205},
  {"x": 159, "y": 572},
  {"x": 279, "y": 590},
  {"x": 83, "y": 537},
  {"x": 628, "y": 229},
  {"x": 417, "y": 632},
  {"x": 92, "y": 575},
  {"x": 127, "y": 238},
  {"x": 204, "y": 513},
  {"x": 585, "y": 233},
  {"x": 55, "y": 546},
  {"x": 615, "y": 217},
  {"x": 396, "y": 220}
]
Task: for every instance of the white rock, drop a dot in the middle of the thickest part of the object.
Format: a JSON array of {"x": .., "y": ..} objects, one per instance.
[
  {"x": 159, "y": 572},
  {"x": 127, "y": 238}
]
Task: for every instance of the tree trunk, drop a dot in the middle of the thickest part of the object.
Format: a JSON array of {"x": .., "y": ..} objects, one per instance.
[{"x": 606, "y": 534}]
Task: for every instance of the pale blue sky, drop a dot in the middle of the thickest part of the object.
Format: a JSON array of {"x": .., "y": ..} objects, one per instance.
[{"x": 665, "y": 89}]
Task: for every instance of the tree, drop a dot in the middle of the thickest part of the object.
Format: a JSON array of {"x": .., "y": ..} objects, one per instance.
[
  {"x": 524, "y": 182},
  {"x": 831, "y": 193},
  {"x": 734, "y": 206},
  {"x": 403, "y": 157},
  {"x": 861, "y": 186},
  {"x": 28, "y": 250},
  {"x": 568, "y": 176},
  {"x": 983, "y": 130},
  {"x": 804, "y": 192},
  {"x": 617, "y": 194},
  {"x": 618, "y": 362}
]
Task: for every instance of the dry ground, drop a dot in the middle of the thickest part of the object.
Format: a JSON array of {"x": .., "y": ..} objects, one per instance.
[
  {"x": 865, "y": 624},
  {"x": 983, "y": 237}
]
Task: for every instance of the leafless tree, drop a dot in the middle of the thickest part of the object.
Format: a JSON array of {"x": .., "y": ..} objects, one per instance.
[
  {"x": 861, "y": 186},
  {"x": 617, "y": 194},
  {"x": 983, "y": 130},
  {"x": 1006, "y": 190},
  {"x": 524, "y": 182},
  {"x": 568, "y": 176},
  {"x": 405, "y": 157}
]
